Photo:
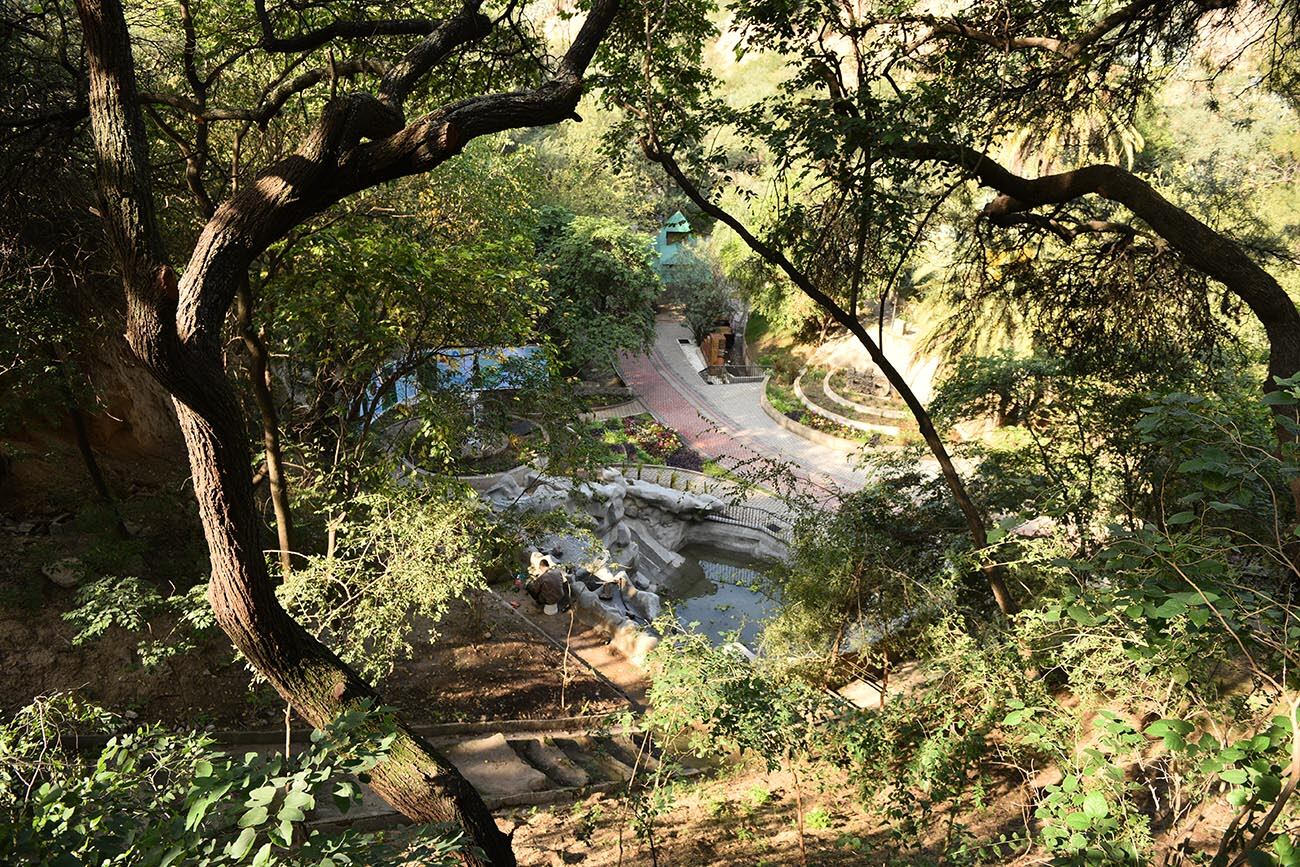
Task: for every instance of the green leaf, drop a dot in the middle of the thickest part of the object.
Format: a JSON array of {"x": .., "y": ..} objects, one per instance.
[
  {"x": 1170, "y": 608},
  {"x": 255, "y": 816},
  {"x": 263, "y": 856},
  {"x": 1181, "y": 518},
  {"x": 1079, "y": 821},
  {"x": 1080, "y": 615},
  {"x": 300, "y": 800},
  {"x": 343, "y": 795},
  {"x": 290, "y": 814},
  {"x": 1236, "y": 776},
  {"x": 194, "y": 816},
  {"x": 240, "y": 845},
  {"x": 262, "y": 794},
  {"x": 1268, "y": 786},
  {"x": 1094, "y": 804},
  {"x": 282, "y": 834},
  {"x": 1162, "y": 727}
]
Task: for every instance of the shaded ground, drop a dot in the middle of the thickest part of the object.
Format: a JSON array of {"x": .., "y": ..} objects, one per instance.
[
  {"x": 751, "y": 818},
  {"x": 486, "y": 664}
]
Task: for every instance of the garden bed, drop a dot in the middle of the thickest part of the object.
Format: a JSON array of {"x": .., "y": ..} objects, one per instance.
[
  {"x": 813, "y": 381},
  {"x": 641, "y": 439},
  {"x": 522, "y": 446},
  {"x": 784, "y": 401}
]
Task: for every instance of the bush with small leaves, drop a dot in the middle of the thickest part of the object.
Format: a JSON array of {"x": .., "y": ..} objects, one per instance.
[{"x": 151, "y": 797}]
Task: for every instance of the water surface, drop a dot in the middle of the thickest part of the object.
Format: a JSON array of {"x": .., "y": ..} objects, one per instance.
[{"x": 720, "y": 591}]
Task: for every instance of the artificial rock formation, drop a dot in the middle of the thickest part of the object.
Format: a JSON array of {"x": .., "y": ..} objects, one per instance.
[{"x": 638, "y": 528}]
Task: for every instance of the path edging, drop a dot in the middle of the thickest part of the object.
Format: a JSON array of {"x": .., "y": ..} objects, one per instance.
[
  {"x": 880, "y": 411},
  {"x": 864, "y": 426},
  {"x": 799, "y": 428}
]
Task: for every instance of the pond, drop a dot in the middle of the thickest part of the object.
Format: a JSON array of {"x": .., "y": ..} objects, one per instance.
[{"x": 721, "y": 592}]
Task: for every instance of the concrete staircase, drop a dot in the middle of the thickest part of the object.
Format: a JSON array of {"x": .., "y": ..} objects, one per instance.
[{"x": 512, "y": 763}]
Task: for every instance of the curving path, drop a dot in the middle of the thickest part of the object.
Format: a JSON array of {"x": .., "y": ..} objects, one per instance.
[{"x": 726, "y": 422}]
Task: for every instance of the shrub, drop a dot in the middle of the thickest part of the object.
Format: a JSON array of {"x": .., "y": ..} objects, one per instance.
[{"x": 154, "y": 797}]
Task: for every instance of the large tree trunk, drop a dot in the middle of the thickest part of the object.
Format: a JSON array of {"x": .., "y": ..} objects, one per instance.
[
  {"x": 415, "y": 779},
  {"x": 176, "y": 331},
  {"x": 259, "y": 379}
]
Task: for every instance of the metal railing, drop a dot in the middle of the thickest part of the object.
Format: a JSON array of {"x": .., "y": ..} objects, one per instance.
[
  {"x": 734, "y": 372},
  {"x": 743, "y": 508}
]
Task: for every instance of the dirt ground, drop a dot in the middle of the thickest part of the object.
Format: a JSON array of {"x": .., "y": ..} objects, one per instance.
[
  {"x": 485, "y": 664},
  {"x": 749, "y": 818}
]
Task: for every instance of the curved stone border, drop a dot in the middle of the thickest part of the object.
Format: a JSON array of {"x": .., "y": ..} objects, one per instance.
[
  {"x": 865, "y": 426},
  {"x": 776, "y": 520},
  {"x": 853, "y": 405},
  {"x": 483, "y": 482},
  {"x": 799, "y": 428}
]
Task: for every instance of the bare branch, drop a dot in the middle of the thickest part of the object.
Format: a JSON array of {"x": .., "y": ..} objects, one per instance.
[{"x": 343, "y": 29}]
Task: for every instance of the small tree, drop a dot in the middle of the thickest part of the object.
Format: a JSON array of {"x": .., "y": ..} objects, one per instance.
[{"x": 602, "y": 287}]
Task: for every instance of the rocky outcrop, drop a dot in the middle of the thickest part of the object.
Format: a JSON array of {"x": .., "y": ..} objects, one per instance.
[{"x": 614, "y": 571}]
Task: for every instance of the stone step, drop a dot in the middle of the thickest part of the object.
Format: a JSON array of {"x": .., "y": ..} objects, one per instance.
[
  {"x": 595, "y": 757},
  {"x": 543, "y": 754},
  {"x": 494, "y": 768},
  {"x": 518, "y": 771},
  {"x": 636, "y": 753}
]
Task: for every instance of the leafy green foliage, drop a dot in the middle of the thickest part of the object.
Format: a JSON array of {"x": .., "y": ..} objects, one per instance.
[
  {"x": 403, "y": 554},
  {"x": 602, "y": 287},
  {"x": 704, "y": 307},
  {"x": 848, "y": 586},
  {"x": 154, "y": 797},
  {"x": 719, "y": 703},
  {"x": 133, "y": 605}
]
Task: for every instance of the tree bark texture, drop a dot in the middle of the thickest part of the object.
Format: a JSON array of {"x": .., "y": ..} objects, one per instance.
[
  {"x": 175, "y": 329},
  {"x": 259, "y": 379}
]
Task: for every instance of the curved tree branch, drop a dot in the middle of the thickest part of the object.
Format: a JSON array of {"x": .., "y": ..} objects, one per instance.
[
  {"x": 352, "y": 28},
  {"x": 1200, "y": 246}
]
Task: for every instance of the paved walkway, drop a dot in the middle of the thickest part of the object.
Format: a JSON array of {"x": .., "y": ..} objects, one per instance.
[{"x": 726, "y": 422}]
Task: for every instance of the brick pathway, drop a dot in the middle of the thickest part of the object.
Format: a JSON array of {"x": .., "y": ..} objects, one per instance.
[{"x": 726, "y": 422}]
